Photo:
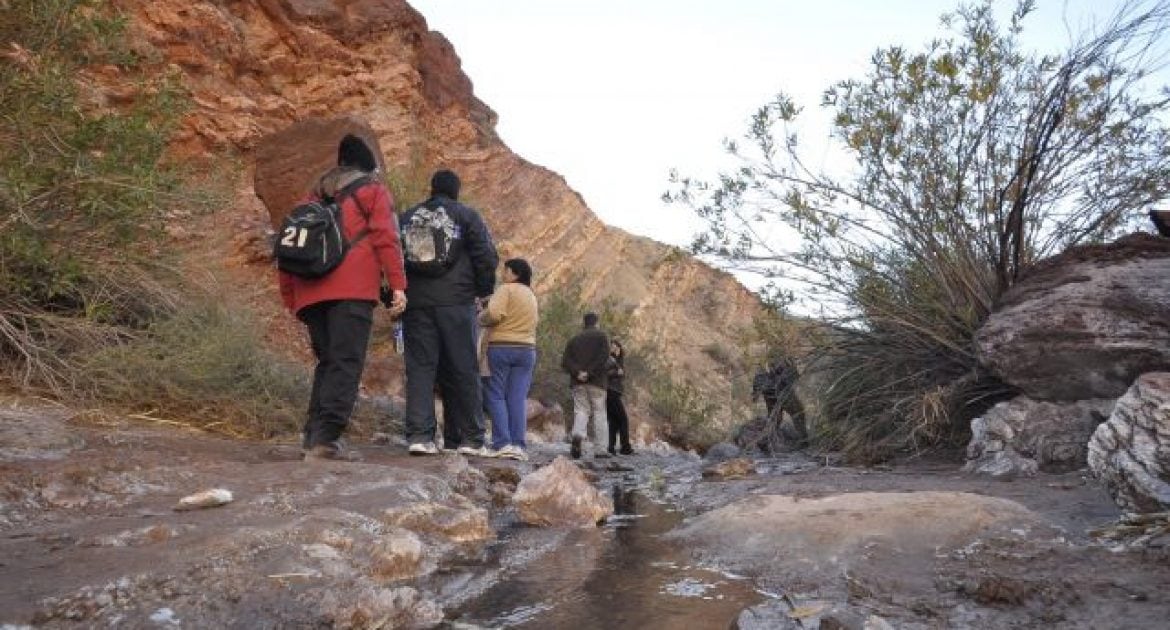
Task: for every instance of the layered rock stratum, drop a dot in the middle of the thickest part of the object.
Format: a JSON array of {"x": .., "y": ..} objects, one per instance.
[{"x": 1084, "y": 324}]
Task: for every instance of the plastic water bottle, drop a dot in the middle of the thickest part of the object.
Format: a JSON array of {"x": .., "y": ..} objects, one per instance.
[{"x": 399, "y": 339}]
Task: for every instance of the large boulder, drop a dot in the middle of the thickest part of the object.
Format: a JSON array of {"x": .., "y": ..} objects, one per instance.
[
  {"x": 560, "y": 495},
  {"x": 1020, "y": 436},
  {"x": 1131, "y": 451},
  {"x": 1083, "y": 324},
  {"x": 807, "y": 541},
  {"x": 289, "y": 161}
]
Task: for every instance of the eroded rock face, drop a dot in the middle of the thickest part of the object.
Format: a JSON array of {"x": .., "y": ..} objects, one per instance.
[
  {"x": 560, "y": 495},
  {"x": 258, "y": 70},
  {"x": 1131, "y": 451},
  {"x": 289, "y": 162},
  {"x": 1021, "y": 436},
  {"x": 1084, "y": 324}
]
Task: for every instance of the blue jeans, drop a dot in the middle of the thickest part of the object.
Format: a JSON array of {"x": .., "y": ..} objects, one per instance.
[{"x": 507, "y": 393}]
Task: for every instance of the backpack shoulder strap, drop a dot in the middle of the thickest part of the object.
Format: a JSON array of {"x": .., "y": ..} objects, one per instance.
[{"x": 350, "y": 190}]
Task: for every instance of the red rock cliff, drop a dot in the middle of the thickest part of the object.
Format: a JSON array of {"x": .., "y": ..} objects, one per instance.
[{"x": 254, "y": 67}]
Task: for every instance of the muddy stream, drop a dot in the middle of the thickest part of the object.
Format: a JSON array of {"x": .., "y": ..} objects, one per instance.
[{"x": 622, "y": 575}]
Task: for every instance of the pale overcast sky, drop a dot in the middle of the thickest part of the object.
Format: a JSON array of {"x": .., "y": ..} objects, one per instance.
[{"x": 612, "y": 94}]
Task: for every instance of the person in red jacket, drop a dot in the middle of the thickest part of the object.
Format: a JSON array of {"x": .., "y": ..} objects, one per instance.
[{"x": 338, "y": 308}]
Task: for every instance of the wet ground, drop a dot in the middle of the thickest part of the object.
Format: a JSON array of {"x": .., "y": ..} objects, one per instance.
[
  {"x": 624, "y": 575},
  {"x": 88, "y": 538}
]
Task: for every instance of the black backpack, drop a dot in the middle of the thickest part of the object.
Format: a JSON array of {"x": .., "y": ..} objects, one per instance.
[
  {"x": 430, "y": 238},
  {"x": 310, "y": 243}
]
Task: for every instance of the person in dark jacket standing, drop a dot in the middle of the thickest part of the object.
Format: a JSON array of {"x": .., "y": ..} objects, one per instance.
[
  {"x": 615, "y": 409},
  {"x": 451, "y": 265},
  {"x": 584, "y": 360},
  {"x": 338, "y": 308}
]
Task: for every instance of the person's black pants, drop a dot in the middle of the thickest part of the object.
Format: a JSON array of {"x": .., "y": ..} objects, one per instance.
[
  {"x": 619, "y": 422},
  {"x": 339, "y": 332},
  {"x": 440, "y": 347}
]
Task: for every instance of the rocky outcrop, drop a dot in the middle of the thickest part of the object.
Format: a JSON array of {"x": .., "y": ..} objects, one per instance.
[
  {"x": 1084, "y": 324},
  {"x": 289, "y": 162},
  {"x": 1131, "y": 451},
  {"x": 560, "y": 495},
  {"x": 798, "y": 537},
  {"x": 372, "y": 606},
  {"x": 1021, "y": 436},
  {"x": 256, "y": 69},
  {"x": 459, "y": 522}
]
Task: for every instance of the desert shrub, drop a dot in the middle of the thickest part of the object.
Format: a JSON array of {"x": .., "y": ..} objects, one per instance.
[
  {"x": 684, "y": 413},
  {"x": 972, "y": 159},
  {"x": 204, "y": 365}
]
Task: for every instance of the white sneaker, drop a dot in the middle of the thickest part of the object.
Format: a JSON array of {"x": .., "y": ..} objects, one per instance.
[
  {"x": 423, "y": 448},
  {"x": 472, "y": 451},
  {"x": 512, "y": 451}
]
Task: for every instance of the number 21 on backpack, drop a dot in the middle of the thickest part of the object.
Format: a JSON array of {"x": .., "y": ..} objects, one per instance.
[{"x": 294, "y": 236}]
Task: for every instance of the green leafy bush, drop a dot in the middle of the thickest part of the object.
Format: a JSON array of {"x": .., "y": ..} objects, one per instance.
[
  {"x": 92, "y": 305},
  {"x": 83, "y": 190}
]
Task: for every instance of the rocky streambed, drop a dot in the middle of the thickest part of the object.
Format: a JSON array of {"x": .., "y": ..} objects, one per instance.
[{"x": 89, "y": 538}]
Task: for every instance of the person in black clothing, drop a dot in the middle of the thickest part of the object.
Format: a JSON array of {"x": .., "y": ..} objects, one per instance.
[
  {"x": 768, "y": 384},
  {"x": 777, "y": 386},
  {"x": 615, "y": 409},
  {"x": 450, "y": 265}
]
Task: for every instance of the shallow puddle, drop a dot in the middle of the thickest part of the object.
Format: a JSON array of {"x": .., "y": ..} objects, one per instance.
[{"x": 622, "y": 575}]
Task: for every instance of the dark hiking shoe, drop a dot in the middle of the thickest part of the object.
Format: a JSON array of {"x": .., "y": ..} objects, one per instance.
[
  {"x": 334, "y": 451},
  {"x": 626, "y": 450},
  {"x": 575, "y": 447},
  {"x": 611, "y": 450}
]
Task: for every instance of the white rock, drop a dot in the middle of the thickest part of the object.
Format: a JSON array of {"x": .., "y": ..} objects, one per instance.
[{"x": 214, "y": 497}]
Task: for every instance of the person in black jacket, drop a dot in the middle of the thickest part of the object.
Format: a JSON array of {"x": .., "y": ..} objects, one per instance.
[
  {"x": 450, "y": 265},
  {"x": 584, "y": 360},
  {"x": 615, "y": 409}
]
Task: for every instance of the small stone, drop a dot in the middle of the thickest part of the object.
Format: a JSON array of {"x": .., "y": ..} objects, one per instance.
[
  {"x": 738, "y": 468},
  {"x": 502, "y": 474},
  {"x": 873, "y": 622},
  {"x": 214, "y": 497},
  {"x": 766, "y": 616},
  {"x": 165, "y": 617},
  {"x": 721, "y": 452},
  {"x": 397, "y": 555}
]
